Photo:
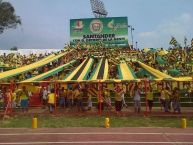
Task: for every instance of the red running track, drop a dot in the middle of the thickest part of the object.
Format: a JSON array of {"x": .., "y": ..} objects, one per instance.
[{"x": 95, "y": 136}]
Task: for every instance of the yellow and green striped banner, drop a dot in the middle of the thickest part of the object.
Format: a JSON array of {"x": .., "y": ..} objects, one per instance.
[
  {"x": 125, "y": 72},
  {"x": 81, "y": 72},
  {"x": 101, "y": 71},
  {"x": 154, "y": 72},
  {"x": 15, "y": 72},
  {"x": 49, "y": 73}
]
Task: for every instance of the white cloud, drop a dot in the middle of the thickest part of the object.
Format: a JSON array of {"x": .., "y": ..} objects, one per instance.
[{"x": 178, "y": 27}]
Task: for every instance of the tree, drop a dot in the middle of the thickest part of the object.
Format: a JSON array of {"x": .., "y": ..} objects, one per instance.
[
  {"x": 8, "y": 18},
  {"x": 14, "y": 48}
]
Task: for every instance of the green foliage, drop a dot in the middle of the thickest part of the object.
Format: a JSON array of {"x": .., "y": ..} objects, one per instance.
[{"x": 8, "y": 18}]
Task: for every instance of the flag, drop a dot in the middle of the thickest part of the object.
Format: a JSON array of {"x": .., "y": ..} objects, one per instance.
[{"x": 173, "y": 41}]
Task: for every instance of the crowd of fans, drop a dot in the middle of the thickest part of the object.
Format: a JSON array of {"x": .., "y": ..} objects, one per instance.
[
  {"x": 175, "y": 61},
  {"x": 79, "y": 97},
  {"x": 23, "y": 60},
  {"x": 15, "y": 60},
  {"x": 160, "y": 59}
]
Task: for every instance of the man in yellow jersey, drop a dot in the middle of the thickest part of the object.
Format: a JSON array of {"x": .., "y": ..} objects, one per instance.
[
  {"x": 24, "y": 99},
  {"x": 51, "y": 100},
  {"x": 167, "y": 98}
]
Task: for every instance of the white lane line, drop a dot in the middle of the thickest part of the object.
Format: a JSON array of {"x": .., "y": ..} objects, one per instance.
[
  {"x": 94, "y": 142},
  {"x": 93, "y": 133}
]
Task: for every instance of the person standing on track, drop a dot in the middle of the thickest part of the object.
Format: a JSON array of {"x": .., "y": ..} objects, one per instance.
[
  {"x": 51, "y": 100},
  {"x": 167, "y": 94},
  {"x": 162, "y": 99},
  {"x": 24, "y": 99},
  {"x": 176, "y": 100},
  {"x": 62, "y": 97},
  {"x": 123, "y": 98},
  {"x": 150, "y": 99},
  {"x": 137, "y": 99},
  {"x": 44, "y": 97},
  {"x": 118, "y": 97}
]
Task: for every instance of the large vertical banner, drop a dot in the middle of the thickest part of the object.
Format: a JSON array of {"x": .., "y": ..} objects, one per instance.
[{"x": 111, "y": 31}]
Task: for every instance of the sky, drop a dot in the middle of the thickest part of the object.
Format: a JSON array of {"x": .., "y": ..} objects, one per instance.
[{"x": 46, "y": 23}]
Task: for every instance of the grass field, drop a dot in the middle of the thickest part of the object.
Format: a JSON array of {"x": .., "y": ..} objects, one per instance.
[{"x": 60, "y": 122}]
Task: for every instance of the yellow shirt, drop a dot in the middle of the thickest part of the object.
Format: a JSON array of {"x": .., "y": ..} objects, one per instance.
[
  {"x": 167, "y": 94},
  {"x": 24, "y": 96},
  {"x": 150, "y": 96},
  {"x": 106, "y": 93},
  {"x": 89, "y": 97},
  {"x": 118, "y": 97},
  {"x": 1, "y": 100},
  {"x": 14, "y": 96},
  {"x": 189, "y": 89},
  {"x": 51, "y": 98},
  {"x": 76, "y": 93}
]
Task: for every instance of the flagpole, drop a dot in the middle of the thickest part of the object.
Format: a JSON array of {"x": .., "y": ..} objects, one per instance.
[{"x": 185, "y": 42}]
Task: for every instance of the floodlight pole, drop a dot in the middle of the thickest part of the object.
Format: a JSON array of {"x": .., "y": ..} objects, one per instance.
[
  {"x": 185, "y": 42},
  {"x": 98, "y": 8},
  {"x": 146, "y": 103},
  {"x": 136, "y": 44},
  {"x": 55, "y": 96},
  {"x": 132, "y": 29}
]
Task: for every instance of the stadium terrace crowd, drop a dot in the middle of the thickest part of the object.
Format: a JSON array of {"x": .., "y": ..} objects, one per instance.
[
  {"x": 176, "y": 61},
  {"x": 180, "y": 60},
  {"x": 74, "y": 96},
  {"x": 15, "y": 60}
]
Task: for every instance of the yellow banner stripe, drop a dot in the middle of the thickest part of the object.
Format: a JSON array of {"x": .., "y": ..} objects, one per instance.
[
  {"x": 126, "y": 73},
  {"x": 30, "y": 66},
  {"x": 106, "y": 70},
  {"x": 153, "y": 71},
  {"x": 46, "y": 73}
]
